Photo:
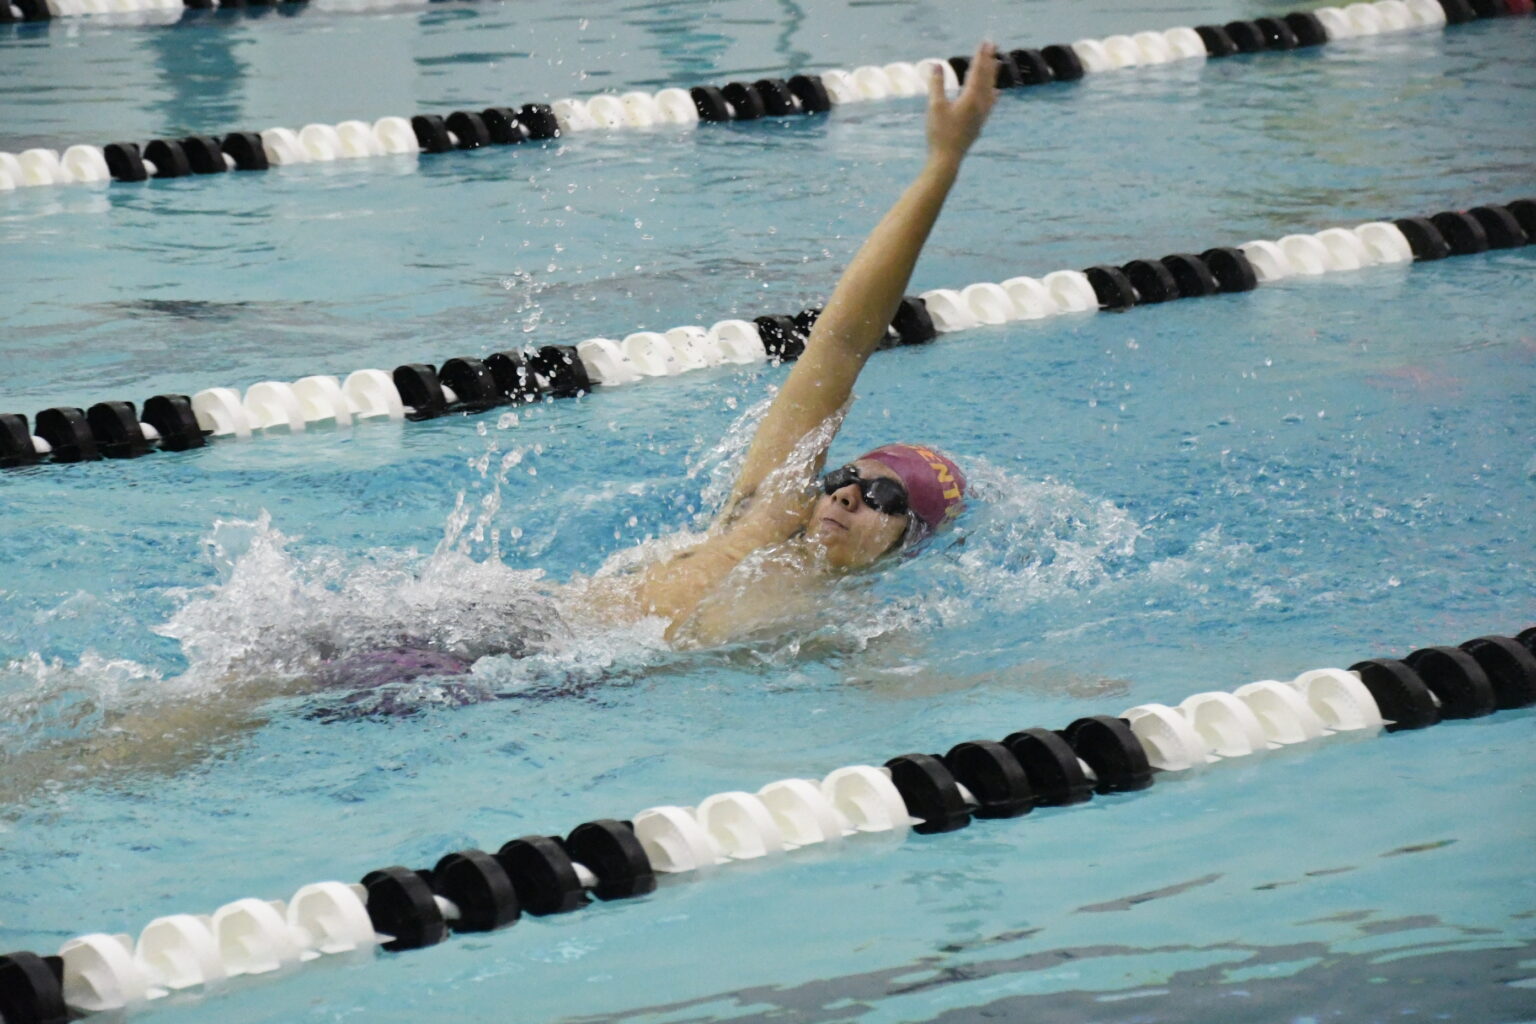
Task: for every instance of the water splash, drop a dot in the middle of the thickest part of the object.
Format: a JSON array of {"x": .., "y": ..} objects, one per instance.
[
  {"x": 49, "y": 698},
  {"x": 281, "y": 611},
  {"x": 719, "y": 463},
  {"x": 280, "y": 615}
]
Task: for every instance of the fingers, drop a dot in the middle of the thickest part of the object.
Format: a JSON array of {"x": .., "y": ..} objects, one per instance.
[
  {"x": 936, "y": 88},
  {"x": 983, "y": 85}
]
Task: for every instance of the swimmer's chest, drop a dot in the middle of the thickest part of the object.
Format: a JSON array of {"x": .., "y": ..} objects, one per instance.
[{"x": 757, "y": 597}]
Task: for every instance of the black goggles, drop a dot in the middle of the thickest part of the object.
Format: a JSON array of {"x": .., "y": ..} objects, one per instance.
[{"x": 881, "y": 494}]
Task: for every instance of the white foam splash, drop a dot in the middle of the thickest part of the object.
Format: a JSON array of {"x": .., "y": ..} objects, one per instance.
[
  {"x": 281, "y": 610},
  {"x": 281, "y": 615},
  {"x": 53, "y": 698}
]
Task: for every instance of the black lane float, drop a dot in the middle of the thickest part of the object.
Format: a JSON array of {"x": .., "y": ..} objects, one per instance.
[
  {"x": 468, "y": 385},
  {"x": 799, "y": 94},
  {"x": 472, "y": 891}
]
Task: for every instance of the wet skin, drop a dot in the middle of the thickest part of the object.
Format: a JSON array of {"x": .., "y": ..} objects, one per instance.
[{"x": 852, "y": 534}]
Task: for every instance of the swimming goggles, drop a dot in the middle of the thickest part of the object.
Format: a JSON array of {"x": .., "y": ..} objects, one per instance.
[{"x": 881, "y": 494}]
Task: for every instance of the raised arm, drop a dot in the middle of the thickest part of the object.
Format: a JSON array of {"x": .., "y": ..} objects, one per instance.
[{"x": 861, "y": 307}]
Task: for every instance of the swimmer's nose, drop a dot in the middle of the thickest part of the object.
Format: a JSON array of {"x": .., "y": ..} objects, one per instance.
[{"x": 848, "y": 496}]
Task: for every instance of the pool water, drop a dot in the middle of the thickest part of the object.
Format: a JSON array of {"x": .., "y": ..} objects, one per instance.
[{"x": 1181, "y": 498}]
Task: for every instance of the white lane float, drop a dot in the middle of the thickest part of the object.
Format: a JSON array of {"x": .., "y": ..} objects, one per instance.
[
  {"x": 1122, "y": 50},
  {"x": 1283, "y": 713},
  {"x": 179, "y": 952},
  {"x": 1426, "y": 13},
  {"x": 840, "y": 86},
  {"x": 86, "y": 164},
  {"x": 1365, "y": 19},
  {"x": 41, "y": 167},
  {"x": 282, "y": 146},
  {"x": 740, "y": 825},
  {"x": 1186, "y": 44},
  {"x": 272, "y": 403},
  {"x": 321, "y": 399},
  {"x": 694, "y": 347},
  {"x": 357, "y": 140},
  {"x": 905, "y": 79},
  {"x": 1335, "y": 22},
  {"x": 738, "y": 341},
  {"x": 395, "y": 136},
  {"x": 1340, "y": 699},
  {"x": 10, "y": 167},
  {"x": 674, "y": 841},
  {"x": 321, "y": 142},
  {"x": 1093, "y": 56},
  {"x": 926, "y": 67},
  {"x": 254, "y": 937},
  {"x": 606, "y": 111},
  {"x": 676, "y": 106},
  {"x": 573, "y": 115},
  {"x": 650, "y": 353},
  {"x": 1395, "y": 15},
  {"x": 1385, "y": 242},
  {"x": 1170, "y": 741},
  {"x": 867, "y": 798},
  {"x": 1031, "y": 299},
  {"x": 1071, "y": 291},
  {"x": 1306, "y": 255},
  {"x": 988, "y": 303},
  {"x": 1226, "y": 724},
  {"x": 101, "y": 973},
  {"x": 220, "y": 412},
  {"x": 1153, "y": 48},
  {"x": 1345, "y": 249},
  {"x": 948, "y": 310},
  {"x": 371, "y": 394},
  {"x": 605, "y": 363},
  {"x": 332, "y": 917},
  {"x": 1269, "y": 261},
  {"x": 803, "y": 813},
  {"x": 640, "y": 110},
  {"x": 872, "y": 83}
]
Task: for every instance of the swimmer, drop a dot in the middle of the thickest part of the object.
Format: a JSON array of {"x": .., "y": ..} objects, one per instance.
[
  {"x": 785, "y": 528},
  {"x": 779, "y": 533}
]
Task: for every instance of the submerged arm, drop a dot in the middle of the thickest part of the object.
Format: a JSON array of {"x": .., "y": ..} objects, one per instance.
[{"x": 865, "y": 299}]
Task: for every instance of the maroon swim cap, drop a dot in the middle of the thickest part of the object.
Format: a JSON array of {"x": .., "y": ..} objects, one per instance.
[{"x": 935, "y": 485}]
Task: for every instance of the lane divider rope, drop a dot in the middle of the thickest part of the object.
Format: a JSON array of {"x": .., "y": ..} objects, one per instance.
[
  {"x": 799, "y": 94},
  {"x": 416, "y": 391},
  {"x": 398, "y": 908}
]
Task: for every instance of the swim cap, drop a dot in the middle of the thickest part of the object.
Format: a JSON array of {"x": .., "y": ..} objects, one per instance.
[{"x": 935, "y": 485}]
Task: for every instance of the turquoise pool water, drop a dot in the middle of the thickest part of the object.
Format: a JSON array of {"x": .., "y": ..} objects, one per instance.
[{"x": 1181, "y": 498}]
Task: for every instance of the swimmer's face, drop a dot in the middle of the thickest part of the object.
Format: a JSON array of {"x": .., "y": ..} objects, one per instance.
[{"x": 852, "y": 533}]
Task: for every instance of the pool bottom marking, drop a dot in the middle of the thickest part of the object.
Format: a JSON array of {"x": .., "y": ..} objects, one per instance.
[
  {"x": 473, "y": 891},
  {"x": 468, "y": 385}
]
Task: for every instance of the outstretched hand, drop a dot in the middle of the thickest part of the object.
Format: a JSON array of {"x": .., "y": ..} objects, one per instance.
[{"x": 954, "y": 125}]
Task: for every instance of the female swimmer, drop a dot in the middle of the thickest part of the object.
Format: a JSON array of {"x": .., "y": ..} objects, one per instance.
[
  {"x": 776, "y": 537},
  {"x": 778, "y": 533}
]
